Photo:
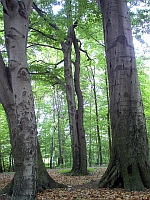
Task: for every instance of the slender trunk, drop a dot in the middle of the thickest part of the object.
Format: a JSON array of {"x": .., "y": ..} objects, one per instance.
[
  {"x": 90, "y": 142},
  {"x": 108, "y": 113},
  {"x": 60, "y": 158},
  {"x": 129, "y": 166},
  {"x": 67, "y": 46},
  {"x": 80, "y": 110},
  {"x": 53, "y": 135},
  {"x": 1, "y": 168},
  {"x": 100, "y": 160}
]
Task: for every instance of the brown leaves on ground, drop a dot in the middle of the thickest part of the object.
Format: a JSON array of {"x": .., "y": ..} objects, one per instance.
[{"x": 81, "y": 188}]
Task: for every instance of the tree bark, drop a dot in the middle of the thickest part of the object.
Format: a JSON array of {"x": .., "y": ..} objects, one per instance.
[
  {"x": 58, "y": 107},
  {"x": 100, "y": 158},
  {"x": 17, "y": 100},
  {"x": 1, "y": 168},
  {"x": 108, "y": 113},
  {"x": 80, "y": 109},
  {"x": 16, "y": 21},
  {"x": 67, "y": 47},
  {"x": 6, "y": 98},
  {"x": 128, "y": 167}
]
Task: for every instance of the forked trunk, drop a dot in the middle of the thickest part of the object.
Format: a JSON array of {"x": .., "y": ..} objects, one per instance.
[
  {"x": 80, "y": 109},
  {"x": 128, "y": 167},
  {"x": 67, "y": 46}
]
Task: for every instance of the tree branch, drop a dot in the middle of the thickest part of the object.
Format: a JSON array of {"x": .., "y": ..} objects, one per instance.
[
  {"x": 43, "y": 45},
  {"x": 42, "y": 13},
  {"x": 58, "y": 80},
  {"x": 48, "y": 63},
  {"x": 86, "y": 54},
  {"x": 43, "y": 34},
  {"x": 5, "y": 81},
  {"x": 28, "y": 4}
]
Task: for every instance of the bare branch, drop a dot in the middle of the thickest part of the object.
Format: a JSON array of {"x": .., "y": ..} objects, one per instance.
[
  {"x": 43, "y": 34},
  {"x": 42, "y": 13},
  {"x": 43, "y": 45},
  {"x": 58, "y": 80},
  {"x": 56, "y": 64},
  {"x": 86, "y": 54}
]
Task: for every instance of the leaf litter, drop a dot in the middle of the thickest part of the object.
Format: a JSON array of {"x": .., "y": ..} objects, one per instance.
[{"x": 81, "y": 188}]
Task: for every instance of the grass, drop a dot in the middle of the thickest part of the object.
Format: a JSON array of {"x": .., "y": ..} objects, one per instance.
[{"x": 65, "y": 171}]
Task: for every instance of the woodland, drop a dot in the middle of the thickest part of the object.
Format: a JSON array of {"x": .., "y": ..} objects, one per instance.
[{"x": 74, "y": 99}]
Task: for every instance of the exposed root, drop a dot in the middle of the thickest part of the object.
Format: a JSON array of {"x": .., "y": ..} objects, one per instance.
[{"x": 111, "y": 178}]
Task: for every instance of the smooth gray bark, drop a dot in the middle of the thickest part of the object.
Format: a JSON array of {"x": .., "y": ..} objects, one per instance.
[
  {"x": 7, "y": 100},
  {"x": 129, "y": 166},
  {"x": 16, "y": 21}
]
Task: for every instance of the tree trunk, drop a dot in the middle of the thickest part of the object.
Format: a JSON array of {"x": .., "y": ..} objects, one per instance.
[
  {"x": 16, "y": 21},
  {"x": 60, "y": 158},
  {"x": 100, "y": 159},
  {"x": 108, "y": 113},
  {"x": 52, "y": 151},
  {"x": 43, "y": 178},
  {"x": 1, "y": 168},
  {"x": 128, "y": 167},
  {"x": 66, "y": 47},
  {"x": 90, "y": 133},
  {"x": 80, "y": 110},
  {"x": 6, "y": 98}
]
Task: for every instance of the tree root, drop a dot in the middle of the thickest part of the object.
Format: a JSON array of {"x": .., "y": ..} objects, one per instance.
[
  {"x": 45, "y": 183},
  {"x": 111, "y": 178}
]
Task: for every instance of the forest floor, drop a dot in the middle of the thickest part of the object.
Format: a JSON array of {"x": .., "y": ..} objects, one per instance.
[{"x": 81, "y": 188}]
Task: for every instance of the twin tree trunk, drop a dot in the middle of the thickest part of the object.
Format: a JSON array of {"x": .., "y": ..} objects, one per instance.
[
  {"x": 128, "y": 167},
  {"x": 78, "y": 140}
]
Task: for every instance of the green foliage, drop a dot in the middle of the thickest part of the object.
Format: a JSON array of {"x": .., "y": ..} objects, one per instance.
[
  {"x": 5, "y": 148},
  {"x": 45, "y": 58}
]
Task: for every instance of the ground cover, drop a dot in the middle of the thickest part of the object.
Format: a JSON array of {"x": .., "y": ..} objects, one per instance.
[{"x": 81, "y": 188}]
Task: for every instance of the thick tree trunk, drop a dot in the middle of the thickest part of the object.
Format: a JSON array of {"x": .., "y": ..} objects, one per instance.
[
  {"x": 128, "y": 167},
  {"x": 43, "y": 178},
  {"x": 24, "y": 137},
  {"x": 7, "y": 100}
]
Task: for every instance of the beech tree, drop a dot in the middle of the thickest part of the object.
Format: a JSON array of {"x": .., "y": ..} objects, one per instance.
[
  {"x": 17, "y": 99},
  {"x": 128, "y": 166},
  {"x": 24, "y": 135}
]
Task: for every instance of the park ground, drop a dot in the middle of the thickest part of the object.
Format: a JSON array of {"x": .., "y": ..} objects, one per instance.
[{"x": 81, "y": 187}]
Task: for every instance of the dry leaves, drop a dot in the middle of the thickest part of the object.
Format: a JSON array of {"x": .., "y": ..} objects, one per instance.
[{"x": 78, "y": 191}]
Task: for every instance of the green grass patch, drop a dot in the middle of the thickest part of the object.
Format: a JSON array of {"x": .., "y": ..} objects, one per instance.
[
  {"x": 64, "y": 171},
  {"x": 68, "y": 170}
]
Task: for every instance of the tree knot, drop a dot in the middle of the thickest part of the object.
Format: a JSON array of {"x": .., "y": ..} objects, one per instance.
[
  {"x": 22, "y": 9},
  {"x": 23, "y": 74}
]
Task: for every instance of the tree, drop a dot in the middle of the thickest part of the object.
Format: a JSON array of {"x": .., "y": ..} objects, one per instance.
[
  {"x": 128, "y": 166},
  {"x": 23, "y": 138},
  {"x": 17, "y": 100}
]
